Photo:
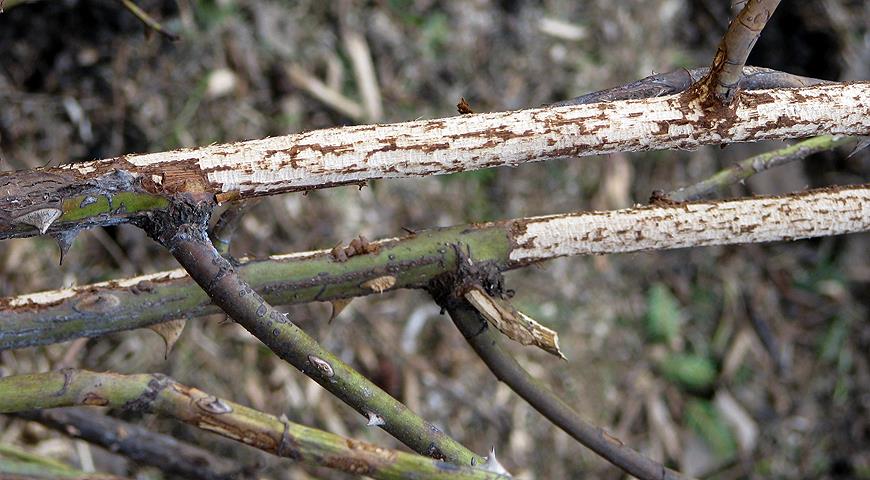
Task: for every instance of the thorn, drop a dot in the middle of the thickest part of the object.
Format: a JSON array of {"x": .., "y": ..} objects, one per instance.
[
  {"x": 169, "y": 332},
  {"x": 338, "y": 306},
  {"x": 492, "y": 464},
  {"x": 41, "y": 219},
  {"x": 64, "y": 241},
  {"x": 863, "y": 142},
  {"x": 463, "y": 107}
]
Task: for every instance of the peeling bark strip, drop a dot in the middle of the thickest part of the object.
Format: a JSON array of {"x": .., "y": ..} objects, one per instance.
[
  {"x": 812, "y": 214},
  {"x": 97, "y": 309}
]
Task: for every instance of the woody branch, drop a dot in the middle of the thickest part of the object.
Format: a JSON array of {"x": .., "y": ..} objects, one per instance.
[
  {"x": 412, "y": 261},
  {"x": 104, "y": 192}
]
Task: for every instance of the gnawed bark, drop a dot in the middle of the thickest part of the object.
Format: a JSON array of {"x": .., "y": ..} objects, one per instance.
[
  {"x": 353, "y": 155},
  {"x": 816, "y": 213}
]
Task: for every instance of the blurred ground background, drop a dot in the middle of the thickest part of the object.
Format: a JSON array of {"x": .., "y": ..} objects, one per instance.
[{"x": 727, "y": 362}]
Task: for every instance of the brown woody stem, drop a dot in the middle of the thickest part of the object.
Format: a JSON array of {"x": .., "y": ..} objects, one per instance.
[
  {"x": 136, "y": 443},
  {"x": 485, "y": 342},
  {"x": 723, "y": 81},
  {"x": 147, "y": 20},
  {"x": 221, "y": 234}
]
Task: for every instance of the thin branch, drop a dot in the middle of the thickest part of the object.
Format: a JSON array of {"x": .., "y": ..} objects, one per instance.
[
  {"x": 147, "y": 20},
  {"x": 412, "y": 261},
  {"x": 160, "y": 394},
  {"x": 137, "y": 443},
  {"x": 485, "y": 342},
  {"x": 744, "y": 169},
  {"x": 124, "y": 189},
  {"x": 183, "y": 233},
  {"x": 670, "y": 83},
  {"x": 7, "y": 4},
  {"x": 221, "y": 234},
  {"x": 16, "y": 464},
  {"x": 723, "y": 81}
]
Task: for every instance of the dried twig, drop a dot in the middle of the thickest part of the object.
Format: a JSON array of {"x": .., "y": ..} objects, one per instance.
[
  {"x": 147, "y": 20},
  {"x": 364, "y": 71},
  {"x": 321, "y": 91}
]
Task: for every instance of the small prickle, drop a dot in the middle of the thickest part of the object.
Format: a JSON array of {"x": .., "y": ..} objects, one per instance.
[
  {"x": 41, "y": 219},
  {"x": 64, "y": 239},
  {"x": 492, "y": 464}
]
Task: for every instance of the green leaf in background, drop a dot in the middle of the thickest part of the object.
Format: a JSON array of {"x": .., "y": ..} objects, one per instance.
[
  {"x": 704, "y": 419},
  {"x": 833, "y": 340},
  {"x": 692, "y": 372},
  {"x": 663, "y": 319}
]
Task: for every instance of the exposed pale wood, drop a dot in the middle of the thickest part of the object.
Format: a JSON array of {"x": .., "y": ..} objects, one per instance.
[
  {"x": 129, "y": 188},
  {"x": 347, "y": 155},
  {"x": 752, "y": 220}
]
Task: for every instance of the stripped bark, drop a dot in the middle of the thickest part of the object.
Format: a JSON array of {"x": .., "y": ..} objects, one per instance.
[
  {"x": 81, "y": 195},
  {"x": 94, "y": 310},
  {"x": 824, "y": 212}
]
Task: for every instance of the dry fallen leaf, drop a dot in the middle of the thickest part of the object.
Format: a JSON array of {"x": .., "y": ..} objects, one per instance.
[
  {"x": 169, "y": 331},
  {"x": 514, "y": 324}
]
